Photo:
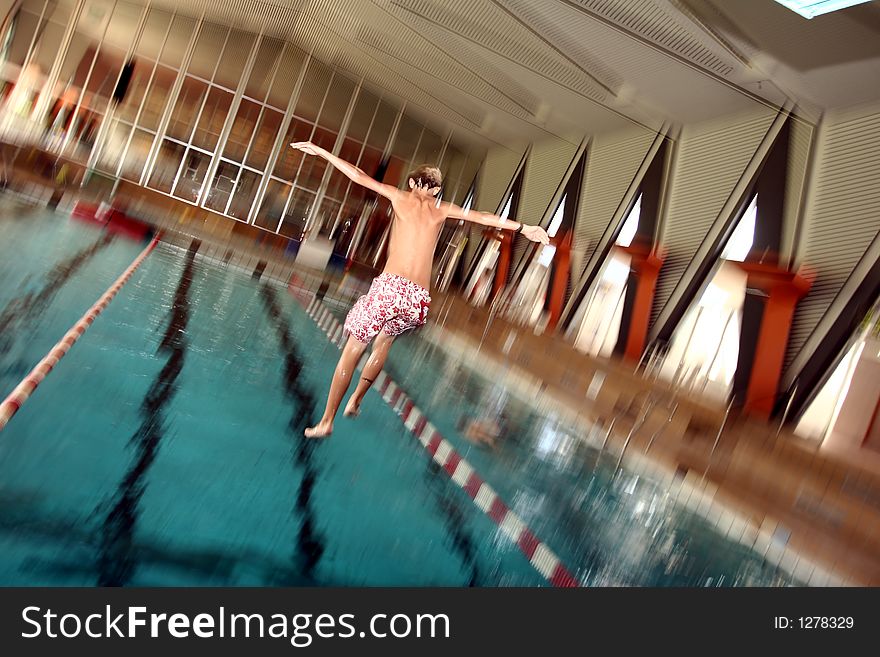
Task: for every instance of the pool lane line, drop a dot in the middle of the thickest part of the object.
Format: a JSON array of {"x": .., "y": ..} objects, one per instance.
[
  {"x": 23, "y": 308},
  {"x": 26, "y": 387},
  {"x": 462, "y": 473}
]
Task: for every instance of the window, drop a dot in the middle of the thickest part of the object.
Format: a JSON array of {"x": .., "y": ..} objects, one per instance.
[{"x": 704, "y": 350}]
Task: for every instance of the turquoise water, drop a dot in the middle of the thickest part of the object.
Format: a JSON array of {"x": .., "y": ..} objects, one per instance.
[
  {"x": 167, "y": 449},
  {"x": 52, "y": 269},
  {"x": 611, "y": 526}
]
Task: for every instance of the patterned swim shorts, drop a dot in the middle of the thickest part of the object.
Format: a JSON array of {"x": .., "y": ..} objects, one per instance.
[{"x": 393, "y": 305}]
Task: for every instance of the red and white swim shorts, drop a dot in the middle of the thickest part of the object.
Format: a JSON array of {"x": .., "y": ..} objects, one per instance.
[{"x": 393, "y": 305}]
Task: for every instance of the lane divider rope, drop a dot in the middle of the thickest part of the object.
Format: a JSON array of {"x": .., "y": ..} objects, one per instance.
[
  {"x": 540, "y": 556},
  {"x": 26, "y": 387}
]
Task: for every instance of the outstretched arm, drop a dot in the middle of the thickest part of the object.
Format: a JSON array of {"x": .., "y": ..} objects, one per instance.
[
  {"x": 354, "y": 173},
  {"x": 534, "y": 233}
]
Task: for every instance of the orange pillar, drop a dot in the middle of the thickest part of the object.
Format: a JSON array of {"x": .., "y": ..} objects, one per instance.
[
  {"x": 782, "y": 290},
  {"x": 501, "y": 271},
  {"x": 645, "y": 263},
  {"x": 562, "y": 261}
]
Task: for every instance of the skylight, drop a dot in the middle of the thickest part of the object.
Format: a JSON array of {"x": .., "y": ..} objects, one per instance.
[
  {"x": 556, "y": 222},
  {"x": 813, "y": 8},
  {"x": 470, "y": 199},
  {"x": 740, "y": 243},
  {"x": 506, "y": 210},
  {"x": 631, "y": 225}
]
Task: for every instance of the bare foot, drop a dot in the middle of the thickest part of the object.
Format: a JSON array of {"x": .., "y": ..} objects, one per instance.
[
  {"x": 321, "y": 430},
  {"x": 352, "y": 408}
]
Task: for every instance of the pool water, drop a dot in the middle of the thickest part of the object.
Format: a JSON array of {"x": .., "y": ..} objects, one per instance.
[
  {"x": 166, "y": 449},
  {"x": 614, "y": 527},
  {"x": 52, "y": 269}
]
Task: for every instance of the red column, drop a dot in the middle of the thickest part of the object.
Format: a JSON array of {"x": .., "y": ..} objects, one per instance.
[
  {"x": 562, "y": 262},
  {"x": 645, "y": 263},
  {"x": 503, "y": 267},
  {"x": 783, "y": 289}
]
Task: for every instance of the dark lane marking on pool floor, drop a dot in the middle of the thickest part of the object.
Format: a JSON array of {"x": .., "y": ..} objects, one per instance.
[
  {"x": 310, "y": 543},
  {"x": 31, "y": 305},
  {"x": 118, "y": 558},
  {"x": 453, "y": 516},
  {"x": 23, "y": 516}
]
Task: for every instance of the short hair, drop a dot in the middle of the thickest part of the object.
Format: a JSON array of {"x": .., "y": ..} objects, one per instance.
[{"x": 426, "y": 175}]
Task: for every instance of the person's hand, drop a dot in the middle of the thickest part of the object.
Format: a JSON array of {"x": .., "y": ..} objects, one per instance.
[
  {"x": 306, "y": 147},
  {"x": 535, "y": 233}
]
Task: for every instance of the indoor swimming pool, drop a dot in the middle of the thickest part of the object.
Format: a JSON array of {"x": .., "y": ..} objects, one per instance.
[{"x": 166, "y": 448}]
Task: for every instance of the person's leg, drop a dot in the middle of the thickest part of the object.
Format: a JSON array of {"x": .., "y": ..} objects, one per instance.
[
  {"x": 371, "y": 370},
  {"x": 341, "y": 379}
]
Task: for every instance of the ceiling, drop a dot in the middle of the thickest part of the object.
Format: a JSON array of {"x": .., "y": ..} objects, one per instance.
[{"x": 513, "y": 71}]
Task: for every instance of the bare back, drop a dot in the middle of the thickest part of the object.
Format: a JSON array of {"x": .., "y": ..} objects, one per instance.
[{"x": 414, "y": 231}]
